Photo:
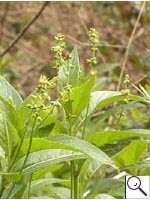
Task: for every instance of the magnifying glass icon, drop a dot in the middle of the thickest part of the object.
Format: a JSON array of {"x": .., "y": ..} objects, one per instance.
[{"x": 134, "y": 183}]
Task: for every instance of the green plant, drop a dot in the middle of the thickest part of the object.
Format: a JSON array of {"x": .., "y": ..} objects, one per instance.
[{"x": 58, "y": 148}]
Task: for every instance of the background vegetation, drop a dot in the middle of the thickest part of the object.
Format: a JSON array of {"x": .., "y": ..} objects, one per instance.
[{"x": 114, "y": 22}]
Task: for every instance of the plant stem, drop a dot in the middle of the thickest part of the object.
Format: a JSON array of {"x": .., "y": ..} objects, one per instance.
[
  {"x": 72, "y": 163},
  {"x": 19, "y": 147},
  {"x": 72, "y": 180},
  {"x": 22, "y": 139},
  {"x": 83, "y": 132},
  {"x": 76, "y": 189},
  {"x": 30, "y": 144},
  {"x": 121, "y": 111},
  {"x": 74, "y": 177},
  {"x": 29, "y": 187},
  {"x": 13, "y": 185},
  {"x": 29, "y": 147}
]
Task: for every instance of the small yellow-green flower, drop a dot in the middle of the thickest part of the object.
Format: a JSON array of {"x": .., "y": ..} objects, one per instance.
[
  {"x": 94, "y": 41},
  {"x": 58, "y": 49}
]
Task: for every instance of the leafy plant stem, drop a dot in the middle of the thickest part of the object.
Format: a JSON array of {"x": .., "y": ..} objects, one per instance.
[
  {"x": 23, "y": 137},
  {"x": 29, "y": 147},
  {"x": 19, "y": 147},
  {"x": 26, "y": 154},
  {"x": 71, "y": 162},
  {"x": 74, "y": 182},
  {"x": 120, "y": 115},
  {"x": 30, "y": 144},
  {"x": 122, "y": 108}
]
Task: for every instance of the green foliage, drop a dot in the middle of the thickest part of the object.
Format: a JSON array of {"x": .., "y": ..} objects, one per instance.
[
  {"x": 74, "y": 145},
  {"x": 130, "y": 155},
  {"x": 9, "y": 93}
]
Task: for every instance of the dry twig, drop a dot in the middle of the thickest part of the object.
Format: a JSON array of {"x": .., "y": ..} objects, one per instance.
[
  {"x": 129, "y": 45},
  {"x": 26, "y": 27}
]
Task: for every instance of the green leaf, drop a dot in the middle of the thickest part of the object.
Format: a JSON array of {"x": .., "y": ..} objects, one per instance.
[
  {"x": 50, "y": 122},
  {"x": 73, "y": 72},
  {"x": 8, "y": 136},
  {"x": 40, "y": 159},
  {"x": 141, "y": 166},
  {"x": 79, "y": 97},
  {"x": 67, "y": 143},
  {"x": 62, "y": 77},
  {"x": 50, "y": 169},
  {"x": 9, "y": 93},
  {"x": 137, "y": 98},
  {"x": 103, "y": 196},
  {"x": 99, "y": 122},
  {"x": 8, "y": 110},
  {"x": 44, "y": 131},
  {"x": 41, "y": 183},
  {"x": 113, "y": 187},
  {"x": 147, "y": 87},
  {"x": 130, "y": 154},
  {"x": 10, "y": 176},
  {"x": 59, "y": 192},
  {"x": 145, "y": 93},
  {"x": 88, "y": 170},
  {"x": 108, "y": 137},
  {"x": 60, "y": 142},
  {"x": 75, "y": 68},
  {"x": 82, "y": 146},
  {"x": 40, "y": 144},
  {"x": 11, "y": 190},
  {"x": 100, "y": 99}
]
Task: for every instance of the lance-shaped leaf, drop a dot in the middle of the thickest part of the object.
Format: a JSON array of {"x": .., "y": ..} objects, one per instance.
[
  {"x": 9, "y": 93},
  {"x": 113, "y": 187},
  {"x": 75, "y": 68},
  {"x": 82, "y": 146},
  {"x": 108, "y": 137},
  {"x": 66, "y": 142},
  {"x": 41, "y": 183},
  {"x": 100, "y": 99},
  {"x": 130, "y": 154},
  {"x": 8, "y": 136},
  {"x": 79, "y": 97},
  {"x": 73, "y": 72},
  {"x": 40, "y": 159}
]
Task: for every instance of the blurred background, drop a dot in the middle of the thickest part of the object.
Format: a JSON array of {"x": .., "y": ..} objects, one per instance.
[{"x": 114, "y": 21}]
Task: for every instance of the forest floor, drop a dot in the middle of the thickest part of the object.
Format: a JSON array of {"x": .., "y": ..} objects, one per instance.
[{"x": 114, "y": 21}]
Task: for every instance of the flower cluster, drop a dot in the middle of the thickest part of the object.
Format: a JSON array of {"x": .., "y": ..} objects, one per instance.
[
  {"x": 93, "y": 38},
  {"x": 126, "y": 90},
  {"x": 94, "y": 41},
  {"x": 41, "y": 97},
  {"x": 58, "y": 49},
  {"x": 126, "y": 81}
]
